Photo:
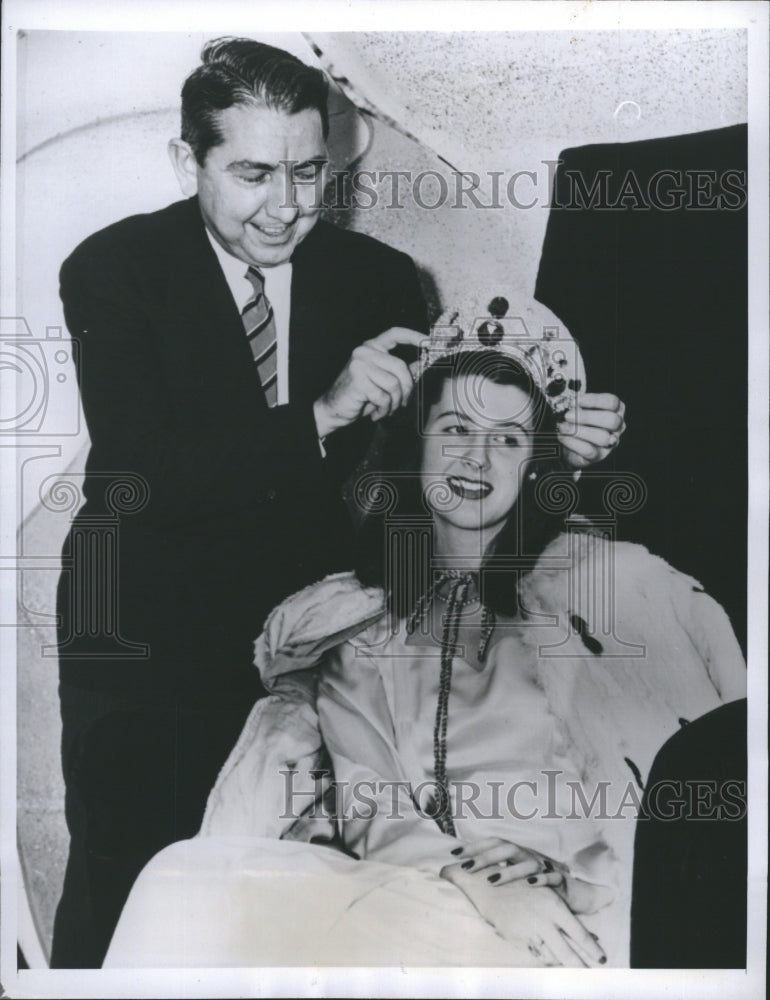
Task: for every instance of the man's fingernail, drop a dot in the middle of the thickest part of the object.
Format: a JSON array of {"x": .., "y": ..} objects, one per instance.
[
  {"x": 468, "y": 864},
  {"x": 494, "y": 878},
  {"x": 456, "y": 851},
  {"x": 532, "y": 879}
]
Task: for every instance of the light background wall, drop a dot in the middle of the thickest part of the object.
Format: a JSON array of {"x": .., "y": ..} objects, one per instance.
[{"x": 95, "y": 113}]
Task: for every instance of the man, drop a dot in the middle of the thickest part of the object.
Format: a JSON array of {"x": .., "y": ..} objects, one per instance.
[{"x": 234, "y": 349}]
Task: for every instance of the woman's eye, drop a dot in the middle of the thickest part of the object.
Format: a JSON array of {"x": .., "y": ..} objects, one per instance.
[
  {"x": 509, "y": 440},
  {"x": 456, "y": 429}
]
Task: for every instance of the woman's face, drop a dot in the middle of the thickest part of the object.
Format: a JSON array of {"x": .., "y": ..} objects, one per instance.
[{"x": 477, "y": 441}]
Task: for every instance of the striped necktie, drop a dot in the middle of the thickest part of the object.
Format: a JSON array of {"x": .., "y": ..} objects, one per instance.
[{"x": 259, "y": 323}]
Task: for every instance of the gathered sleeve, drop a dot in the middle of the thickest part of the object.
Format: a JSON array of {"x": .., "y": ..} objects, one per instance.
[{"x": 379, "y": 817}]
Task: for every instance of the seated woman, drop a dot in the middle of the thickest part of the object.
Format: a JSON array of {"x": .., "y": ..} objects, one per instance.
[{"x": 487, "y": 692}]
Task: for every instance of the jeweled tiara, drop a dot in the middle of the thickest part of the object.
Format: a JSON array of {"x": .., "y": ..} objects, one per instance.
[{"x": 525, "y": 330}]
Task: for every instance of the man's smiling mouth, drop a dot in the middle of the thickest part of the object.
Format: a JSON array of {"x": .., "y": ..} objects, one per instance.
[
  {"x": 274, "y": 231},
  {"x": 469, "y": 489}
]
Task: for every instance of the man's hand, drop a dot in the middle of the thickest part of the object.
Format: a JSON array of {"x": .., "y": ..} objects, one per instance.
[
  {"x": 373, "y": 383},
  {"x": 590, "y": 433}
]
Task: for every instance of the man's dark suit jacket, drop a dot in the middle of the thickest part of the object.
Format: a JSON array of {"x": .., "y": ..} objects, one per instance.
[
  {"x": 688, "y": 908},
  {"x": 657, "y": 299},
  {"x": 241, "y": 509}
]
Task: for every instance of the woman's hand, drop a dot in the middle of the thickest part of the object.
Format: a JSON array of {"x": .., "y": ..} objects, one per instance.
[
  {"x": 509, "y": 863},
  {"x": 540, "y": 921},
  {"x": 501, "y": 862},
  {"x": 589, "y": 433}
]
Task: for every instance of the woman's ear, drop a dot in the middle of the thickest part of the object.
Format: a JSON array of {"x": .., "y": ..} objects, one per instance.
[{"x": 185, "y": 166}]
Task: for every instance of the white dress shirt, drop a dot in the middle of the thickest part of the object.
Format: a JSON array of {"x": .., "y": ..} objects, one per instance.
[{"x": 277, "y": 289}]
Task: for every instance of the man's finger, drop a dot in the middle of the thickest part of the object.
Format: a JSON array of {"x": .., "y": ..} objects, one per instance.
[
  {"x": 574, "y": 450},
  {"x": 602, "y": 401},
  {"x": 597, "y": 436},
  {"x": 380, "y": 400},
  {"x": 374, "y": 360},
  {"x": 609, "y": 420},
  {"x": 387, "y": 383},
  {"x": 395, "y": 336}
]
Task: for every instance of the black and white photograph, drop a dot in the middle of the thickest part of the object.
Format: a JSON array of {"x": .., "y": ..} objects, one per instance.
[{"x": 384, "y": 443}]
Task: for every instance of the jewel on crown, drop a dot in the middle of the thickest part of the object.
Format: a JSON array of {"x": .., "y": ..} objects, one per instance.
[{"x": 528, "y": 332}]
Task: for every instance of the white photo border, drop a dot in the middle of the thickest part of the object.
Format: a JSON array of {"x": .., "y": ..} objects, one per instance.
[{"x": 328, "y": 15}]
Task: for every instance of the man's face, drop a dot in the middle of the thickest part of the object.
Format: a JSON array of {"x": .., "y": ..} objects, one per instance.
[{"x": 260, "y": 189}]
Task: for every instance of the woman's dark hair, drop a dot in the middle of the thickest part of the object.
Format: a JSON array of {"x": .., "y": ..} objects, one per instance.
[
  {"x": 242, "y": 71},
  {"x": 395, "y": 536}
]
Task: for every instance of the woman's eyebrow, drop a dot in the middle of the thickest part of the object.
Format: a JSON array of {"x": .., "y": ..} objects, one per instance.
[
  {"x": 513, "y": 423},
  {"x": 502, "y": 425}
]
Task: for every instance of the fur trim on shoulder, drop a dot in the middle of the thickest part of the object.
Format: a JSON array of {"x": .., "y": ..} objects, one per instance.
[
  {"x": 308, "y": 623},
  {"x": 629, "y": 559}
]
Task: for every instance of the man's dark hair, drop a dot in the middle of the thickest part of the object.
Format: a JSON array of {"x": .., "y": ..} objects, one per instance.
[
  {"x": 393, "y": 496},
  {"x": 242, "y": 71}
]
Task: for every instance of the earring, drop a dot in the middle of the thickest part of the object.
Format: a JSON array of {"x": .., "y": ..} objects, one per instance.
[{"x": 532, "y": 476}]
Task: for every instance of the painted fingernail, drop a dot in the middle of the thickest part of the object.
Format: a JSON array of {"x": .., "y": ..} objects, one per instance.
[
  {"x": 494, "y": 878},
  {"x": 603, "y": 960},
  {"x": 532, "y": 880},
  {"x": 468, "y": 864},
  {"x": 456, "y": 851},
  {"x": 594, "y": 936}
]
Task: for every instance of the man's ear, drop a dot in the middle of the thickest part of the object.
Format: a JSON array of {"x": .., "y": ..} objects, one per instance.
[{"x": 185, "y": 166}]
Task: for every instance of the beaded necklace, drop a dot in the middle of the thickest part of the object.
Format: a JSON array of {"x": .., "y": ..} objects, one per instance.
[{"x": 462, "y": 590}]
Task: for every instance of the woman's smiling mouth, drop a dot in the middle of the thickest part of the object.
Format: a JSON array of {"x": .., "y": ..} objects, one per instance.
[{"x": 469, "y": 489}]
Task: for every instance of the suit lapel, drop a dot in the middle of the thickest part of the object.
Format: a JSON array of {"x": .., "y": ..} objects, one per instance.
[
  {"x": 319, "y": 343},
  {"x": 203, "y": 318},
  {"x": 206, "y": 333}
]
